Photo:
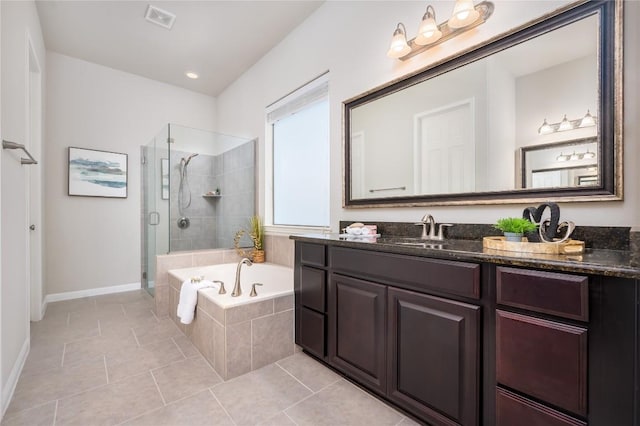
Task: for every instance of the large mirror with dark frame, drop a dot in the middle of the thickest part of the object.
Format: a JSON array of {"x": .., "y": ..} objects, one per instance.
[{"x": 534, "y": 115}]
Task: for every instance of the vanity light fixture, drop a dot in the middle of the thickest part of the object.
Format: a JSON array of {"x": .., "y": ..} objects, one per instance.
[
  {"x": 563, "y": 157},
  {"x": 465, "y": 17},
  {"x": 587, "y": 121}
]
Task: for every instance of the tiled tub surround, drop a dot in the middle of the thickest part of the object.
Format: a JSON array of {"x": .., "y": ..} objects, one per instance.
[
  {"x": 279, "y": 250},
  {"x": 240, "y": 338}
]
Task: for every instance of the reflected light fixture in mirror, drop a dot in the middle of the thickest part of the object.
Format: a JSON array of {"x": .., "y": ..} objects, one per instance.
[
  {"x": 587, "y": 121},
  {"x": 465, "y": 17},
  {"x": 399, "y": 46},
  {"x": 576, "y": 156}
]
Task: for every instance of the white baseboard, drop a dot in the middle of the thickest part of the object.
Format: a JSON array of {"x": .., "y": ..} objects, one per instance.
[
  {"x": 56, "y": 297},
  {"x": 10, "y": 386}
]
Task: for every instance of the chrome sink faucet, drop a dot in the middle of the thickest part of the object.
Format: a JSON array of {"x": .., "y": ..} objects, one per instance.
[
  {"x": 237, "y": 291},
  {"x": 428, "y": 219}
]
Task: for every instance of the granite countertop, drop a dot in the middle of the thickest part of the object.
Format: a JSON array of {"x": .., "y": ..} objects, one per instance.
[{"x": 614, "y": 263}]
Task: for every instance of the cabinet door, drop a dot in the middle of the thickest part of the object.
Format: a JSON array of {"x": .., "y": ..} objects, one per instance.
[
  {"x": 434, "y": 357},
  {"x": 357, "y": 318},
  {"x": 310, "y": 333}
]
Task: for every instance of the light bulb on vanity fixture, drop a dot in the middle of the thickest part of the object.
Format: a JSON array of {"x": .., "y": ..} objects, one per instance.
[
  {"x": 428, "y": 32},
  {"x": 564, "y": 124},
  {"x": 587, "y": 120},
  {"x": 399, "y": 46},
  {"x": 465, "y": 17},
  {"x": 545, "y": 128},
  {"x": 576, "y": 156},
  {"x": 464, "y": 14}
]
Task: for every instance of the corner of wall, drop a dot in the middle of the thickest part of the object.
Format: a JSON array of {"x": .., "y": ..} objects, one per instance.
[{"x": 12, "y": 381}]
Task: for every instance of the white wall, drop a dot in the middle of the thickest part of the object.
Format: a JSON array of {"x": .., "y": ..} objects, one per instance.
[
  {"x": 19, "y": 23},
  {"x": 95, "y": 242},
  {"x": 351, "y": 38}
]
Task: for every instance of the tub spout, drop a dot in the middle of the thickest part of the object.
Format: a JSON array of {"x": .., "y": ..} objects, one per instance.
[{"x": 237, "y": 291}]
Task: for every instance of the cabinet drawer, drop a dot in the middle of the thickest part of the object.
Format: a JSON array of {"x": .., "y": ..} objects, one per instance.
[
  {"x": 414, "y": 273},
  {"x": 511, "y": 409},
  {"x": 544, "y": 359},
  {"x": 312, "y": 332},
  {"x": 552, "y": 293},
  {"x": 312, "y": 254},
  {"x": 312, "y": 288}
]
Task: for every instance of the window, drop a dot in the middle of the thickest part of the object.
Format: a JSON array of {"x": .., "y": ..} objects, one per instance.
[{"x": 299, "y": 130}]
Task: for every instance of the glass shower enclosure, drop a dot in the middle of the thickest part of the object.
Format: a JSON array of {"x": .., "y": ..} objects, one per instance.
[{"x": 198, "y": 189}]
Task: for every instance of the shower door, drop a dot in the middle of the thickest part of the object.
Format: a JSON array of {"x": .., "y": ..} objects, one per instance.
[{"x": 155, "y": 206}]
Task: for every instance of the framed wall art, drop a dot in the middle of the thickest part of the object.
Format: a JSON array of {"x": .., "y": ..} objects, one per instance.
[{"x": 94, "y": 173}]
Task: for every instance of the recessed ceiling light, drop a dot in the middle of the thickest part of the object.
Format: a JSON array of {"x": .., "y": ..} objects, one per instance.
[
  {"x": 160, "y": 17},
  {"x": 190, "y": 74}
]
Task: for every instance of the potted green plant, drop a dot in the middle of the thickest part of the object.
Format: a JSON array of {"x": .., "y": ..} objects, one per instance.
[
  {"x": 256, "y": 233},
  {"x": 514, "y": 228}
]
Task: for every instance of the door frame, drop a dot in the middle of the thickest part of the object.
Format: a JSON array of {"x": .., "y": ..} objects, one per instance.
[
  {"x": 33, "y": 182},
  {"x": 417, "y": 144}
]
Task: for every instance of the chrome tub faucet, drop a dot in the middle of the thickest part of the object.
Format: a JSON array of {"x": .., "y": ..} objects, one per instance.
[{"x": 237, "y": 291}]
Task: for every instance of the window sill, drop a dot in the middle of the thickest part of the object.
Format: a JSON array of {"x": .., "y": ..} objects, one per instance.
[{"x": 295, "y": 230}]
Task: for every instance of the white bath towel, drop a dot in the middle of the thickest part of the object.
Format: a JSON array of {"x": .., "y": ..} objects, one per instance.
[{"x": 189, "y": 299}]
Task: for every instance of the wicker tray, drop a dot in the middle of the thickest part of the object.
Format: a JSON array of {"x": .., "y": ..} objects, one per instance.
[{"x": 567, "y": 247}]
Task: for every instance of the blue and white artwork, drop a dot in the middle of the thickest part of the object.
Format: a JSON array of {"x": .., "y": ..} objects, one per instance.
[{"x": 97, "y": 173}]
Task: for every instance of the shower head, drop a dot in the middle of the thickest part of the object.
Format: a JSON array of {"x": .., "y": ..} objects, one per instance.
[{"x": 186, "y": 160}]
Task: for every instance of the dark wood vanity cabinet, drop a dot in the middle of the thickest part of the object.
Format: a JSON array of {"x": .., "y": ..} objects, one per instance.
[{"x": 463, "y": 343}]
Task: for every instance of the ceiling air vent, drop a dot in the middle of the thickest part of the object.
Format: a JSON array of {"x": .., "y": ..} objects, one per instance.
[{"x": 160, "y": 17}]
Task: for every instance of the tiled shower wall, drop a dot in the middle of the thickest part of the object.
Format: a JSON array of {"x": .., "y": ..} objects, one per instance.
[{"x": 214, "y": 221}]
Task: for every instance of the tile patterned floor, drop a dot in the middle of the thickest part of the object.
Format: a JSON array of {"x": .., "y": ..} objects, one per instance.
[{"x": 108, "y": 360}]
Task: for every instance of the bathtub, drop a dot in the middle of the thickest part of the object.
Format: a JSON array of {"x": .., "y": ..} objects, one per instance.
[
  {"x": 276, "y": 281},
  {"x": 239, "y": 334}
]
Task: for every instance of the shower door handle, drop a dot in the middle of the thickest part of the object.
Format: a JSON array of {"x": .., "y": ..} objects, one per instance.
[{"x": 154, "y": 218}]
